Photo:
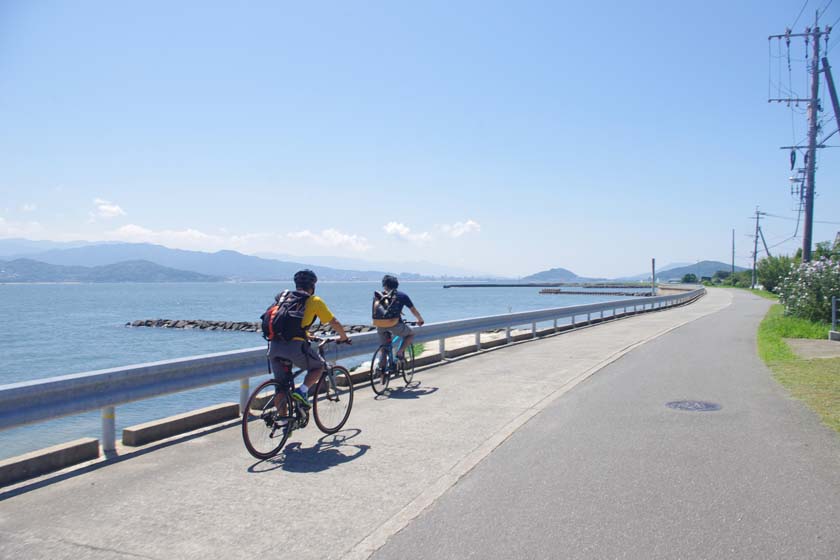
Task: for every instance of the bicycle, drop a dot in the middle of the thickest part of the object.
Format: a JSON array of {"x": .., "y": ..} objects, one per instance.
[
  {"x": 271, "y": 414},
  {"x": 385, "y": 364}
]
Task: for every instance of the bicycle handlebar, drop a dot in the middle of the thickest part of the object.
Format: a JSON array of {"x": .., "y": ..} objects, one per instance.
[{"x": 324, "y": 340}]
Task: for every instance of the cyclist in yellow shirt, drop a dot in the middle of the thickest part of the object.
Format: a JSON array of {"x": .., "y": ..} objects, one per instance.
[{"x": 302, "y": 307}]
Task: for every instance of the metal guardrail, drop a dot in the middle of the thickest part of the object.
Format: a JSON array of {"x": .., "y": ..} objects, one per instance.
[{"x": 40, "y": 400}]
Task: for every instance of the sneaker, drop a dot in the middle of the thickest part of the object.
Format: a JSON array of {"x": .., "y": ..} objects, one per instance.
[{"x": 301, "y": 398}]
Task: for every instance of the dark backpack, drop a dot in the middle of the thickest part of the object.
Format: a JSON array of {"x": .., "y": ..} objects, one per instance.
[
  {"x": 386, "y": 305},
  {"x": 283, "y": 320}
]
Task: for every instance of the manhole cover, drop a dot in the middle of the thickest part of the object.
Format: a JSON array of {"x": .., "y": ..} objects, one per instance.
[{"x": 693, "y": 406}]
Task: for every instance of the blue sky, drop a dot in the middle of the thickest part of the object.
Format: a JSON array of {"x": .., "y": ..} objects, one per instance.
[{"x": 497, "y": 136}]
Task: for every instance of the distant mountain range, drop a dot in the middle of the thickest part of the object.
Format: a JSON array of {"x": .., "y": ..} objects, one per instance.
[
  {"x": 645, "y": 276},
  {"x": 28, "y": 270},
  {"x": 221, "y": 265},
  {"x": 82, "y": 261},
  {"x": 558, "y": 275},
  {"x": 229, "y": 265}
]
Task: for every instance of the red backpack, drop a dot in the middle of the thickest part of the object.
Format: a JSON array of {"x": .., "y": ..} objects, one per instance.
[{"x": 283, "y": 319}]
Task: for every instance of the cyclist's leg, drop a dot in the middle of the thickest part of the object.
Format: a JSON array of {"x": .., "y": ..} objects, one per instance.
[
  {"x": 407, "y": 337},
  {"x": 314, "y": 365},
  {"x": 281, "y": 366},
  {"x": 303, "y": 356},
  {"x": 385, "y": 337}
]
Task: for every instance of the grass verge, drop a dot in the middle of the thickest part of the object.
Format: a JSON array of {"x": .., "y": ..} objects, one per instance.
[{"x": 816, "y": 382}]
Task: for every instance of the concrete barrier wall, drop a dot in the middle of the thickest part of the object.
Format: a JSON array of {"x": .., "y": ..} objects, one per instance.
[{"x": 48, "y": 460}]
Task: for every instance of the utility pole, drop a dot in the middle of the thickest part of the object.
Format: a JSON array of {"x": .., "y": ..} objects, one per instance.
[
  {"x": 812, "y": 35},
  {"x": 653, "y": 277},
  {"x": 755, "y": 246},
  {"x": 811, "y": 164},
  {"x": 733, "y": 255}
]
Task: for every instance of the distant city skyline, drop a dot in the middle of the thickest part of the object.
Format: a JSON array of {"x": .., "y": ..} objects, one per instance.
[{"x": 496, "y": 137}]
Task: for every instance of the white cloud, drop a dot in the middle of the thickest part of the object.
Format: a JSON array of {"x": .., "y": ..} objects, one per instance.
[
  {"x": 106, "y": 209},
  {"x": 28, "y": 208},
  {"x": 181, "y": 239},
  {"x": 197, "y": 240},
  {"x": 402, "y": 231},
  {"x": 19, "y": 229},
  {"x": 460, "y": 228},
  {"x": 332, "y": 238}
]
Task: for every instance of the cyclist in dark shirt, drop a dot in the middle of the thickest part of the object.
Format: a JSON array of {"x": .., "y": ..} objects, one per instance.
[{"x": 396, "y": 326}]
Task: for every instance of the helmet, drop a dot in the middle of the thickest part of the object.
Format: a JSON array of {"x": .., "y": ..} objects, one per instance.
[
  {"x": 390, "y": 282},
  {"x": 305, "y": 278}
]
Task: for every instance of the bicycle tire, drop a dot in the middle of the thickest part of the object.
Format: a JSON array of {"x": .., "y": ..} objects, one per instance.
[
  {"x": 332, "y": 404},
  {"x": 380, "y": 370},
  {"x": 264, "y": 437},
  {"x": 407, "y": 364}
]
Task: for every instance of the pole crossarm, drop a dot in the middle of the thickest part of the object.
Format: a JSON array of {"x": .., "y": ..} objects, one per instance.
[{"x": 789, "y": 100}]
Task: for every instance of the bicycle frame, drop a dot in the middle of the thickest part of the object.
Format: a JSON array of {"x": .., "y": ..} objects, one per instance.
[{"x": 393, "y": 341}]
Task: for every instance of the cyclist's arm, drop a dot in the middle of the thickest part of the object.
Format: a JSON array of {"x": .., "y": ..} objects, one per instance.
[
  {"x": 325, "y": 316},
  {"x": 416, "y": 314},
  {"x": 337, "y": 327}
]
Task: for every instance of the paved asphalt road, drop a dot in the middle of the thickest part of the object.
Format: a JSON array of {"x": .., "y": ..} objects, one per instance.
[{"x": 608, "y": 471}]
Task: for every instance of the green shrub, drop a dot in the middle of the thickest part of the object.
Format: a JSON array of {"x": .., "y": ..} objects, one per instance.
[
  {"x": 806, "y": 291},
  {"x": 772, "y": 270}
]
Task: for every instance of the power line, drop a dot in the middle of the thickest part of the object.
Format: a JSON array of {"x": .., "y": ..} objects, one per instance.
[{"x": 800, "y": 14}]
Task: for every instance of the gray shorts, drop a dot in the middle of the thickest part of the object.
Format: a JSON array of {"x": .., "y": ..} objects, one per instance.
[
  {"x": 302, "y": 354},
  {"x": 400, "y": 329}
]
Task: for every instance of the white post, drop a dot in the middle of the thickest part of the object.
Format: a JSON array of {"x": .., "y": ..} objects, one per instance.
[
  {"x": 573, "y": 320},
  {"x": 477, "y": 341},
  {"x": 534, "y": 330},
  {"x": 507, "y": 335},
  {"x": 555, "y": 325},
  {"x": 109, "y": 429},
  {"x": 244, "y": 393},
  {"x": 442, "y": 348},
  {"x": 589, "y": 318}
]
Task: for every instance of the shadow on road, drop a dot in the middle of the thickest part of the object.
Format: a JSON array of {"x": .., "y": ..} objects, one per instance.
[
  {"x": 330, "y": 451},
  {"x": 410, "y": 391}
]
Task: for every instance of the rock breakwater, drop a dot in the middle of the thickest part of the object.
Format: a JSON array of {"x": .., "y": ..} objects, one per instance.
[{"x": 241, "y": 326}]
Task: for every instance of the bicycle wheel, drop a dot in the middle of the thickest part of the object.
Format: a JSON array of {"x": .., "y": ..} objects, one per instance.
[
  {"x": 333, "y": 399},
  {"x": 267, "y": 420},
  {"x": 407, "y": 364},
  {"x": 380, "y": 368}
]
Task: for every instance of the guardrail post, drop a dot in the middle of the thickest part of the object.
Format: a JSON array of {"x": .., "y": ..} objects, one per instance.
[
  {"x": 555, "y": 325},
  {"x": 589, "y": 318},
  {"x": 478, "y": 341},
  {"x": 109, "y": 429},
  {"x": 507, "y": 335},
  {"x": 534, "y": 330},
  {"x": 442, "y": 348},
  {"x": 573, "y": 320},
  {"x": 244, "y": 393},
  {"x": 602, "y": 314}
]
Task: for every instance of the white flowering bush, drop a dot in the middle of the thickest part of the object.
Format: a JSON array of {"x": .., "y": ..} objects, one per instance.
[{"x": 806, "y": 291}]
